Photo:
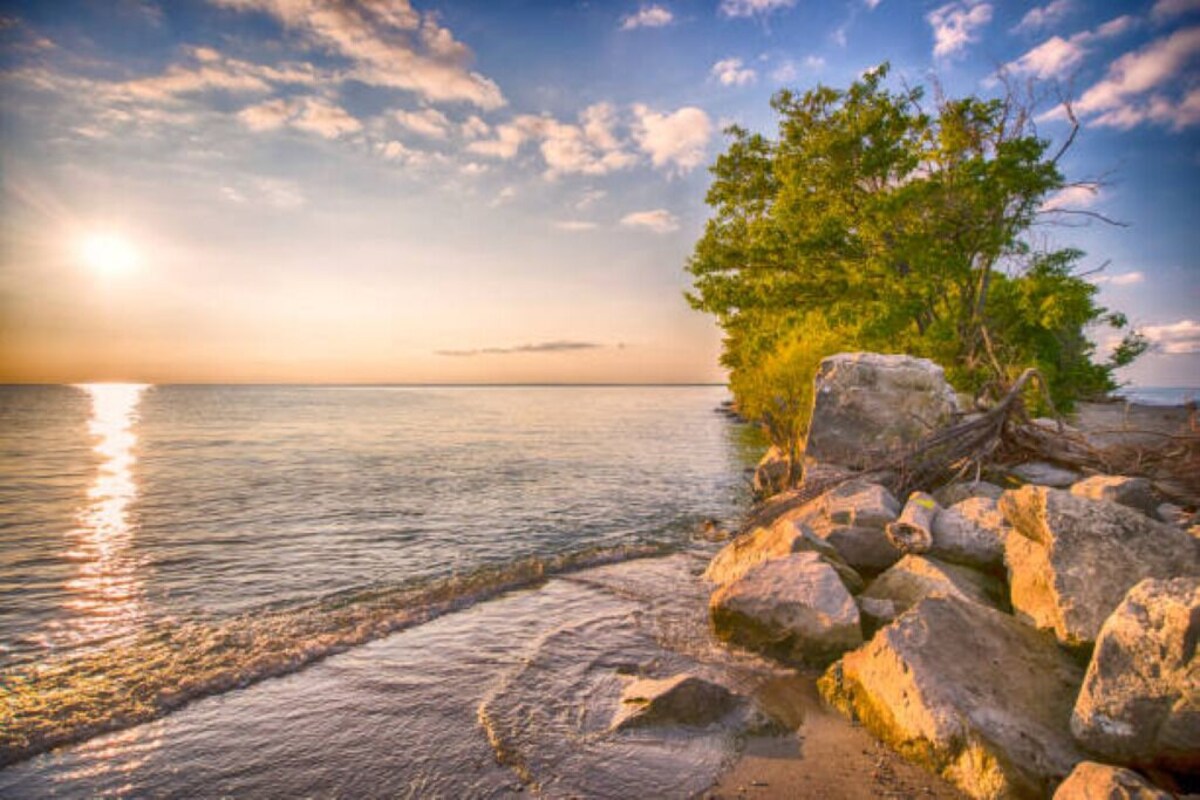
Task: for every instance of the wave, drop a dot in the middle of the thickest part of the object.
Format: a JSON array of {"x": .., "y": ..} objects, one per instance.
[{"x": 67, "y": 700}]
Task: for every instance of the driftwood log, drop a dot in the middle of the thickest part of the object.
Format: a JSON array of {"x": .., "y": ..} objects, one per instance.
[{"x": 913, "y": 531}]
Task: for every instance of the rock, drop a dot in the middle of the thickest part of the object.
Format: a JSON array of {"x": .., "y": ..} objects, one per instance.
[
  {"x": 970, "y": 532},
  {"x": 1172, "y": 515},
  {"x": 957, "y": 492},
  {"x": 876, "y": 611},
  {"x": 864, "y": 505},
  {"x": 1071, "y": 560},
  {"x": 912, "y": 532},
  {"x": 914, "y": 578},
  {"x": 968, "y": 692},
  {"x": 866, "y": 403},
  {"x": 1092, "y": 781},
  {"x": 1043, "y": 474},
  {"x": 864, "y": 549},
  {"x": 770, "y": 476},
  {"x": 681, "y": 699},
  {"x": 1140, "y": 701},
  {"x": 787, "y": 535},
  {"x": 1132, "y": 492},
  {"x": 795, "y": 607}
]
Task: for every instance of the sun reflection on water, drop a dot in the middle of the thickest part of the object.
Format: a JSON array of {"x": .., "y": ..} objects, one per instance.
[{"x": 106, "y": 591}]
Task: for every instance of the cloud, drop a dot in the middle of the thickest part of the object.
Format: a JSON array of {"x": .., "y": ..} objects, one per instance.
[
  {"x": 1165, "y": 10},
  {"x": 675, "y": 141},
  {"x": 1057, "y": 56},
  {"x": 1176, "y": 338},
  {"x": 591, "y": 147},
  {"x": 1045, "y": 16},
  {"x": 388, "y": 44},
  {"x": 1120, "y": 279},
  {"x": 872, "y": 4},
  {"x": 473, "y": 168},
  {"x": 590, "y": 198},
  {"x": 956, "y": 24},
  {"x": 751, "y": 8},
  {"x": 539, "y": 347},
  {"x": 475, "y": 128},
  {"x": 310, "y": 114},
  {"x": 400, "y": 153},
  {"x": 731, "y": 72},
  {"x": 647, "y": 17},
  {"x": 659, "y": 220},
  {"x": 1138, "y": 87},
  {"x": 276, "y": 193},
  {"x": 209, "y": 71},
  {"x": 1072, "y": 197},
  {"x": 574, "y": 225},
  {"x": 428, "y": 122}
]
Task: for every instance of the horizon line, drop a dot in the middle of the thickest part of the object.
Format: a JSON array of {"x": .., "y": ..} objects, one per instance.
[{"x": 399, "y": 384}]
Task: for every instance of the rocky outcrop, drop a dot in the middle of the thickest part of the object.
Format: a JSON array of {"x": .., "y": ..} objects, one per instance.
[
  {"x": 1093, "y": 781},
  {"x": 970, "y": 532},
  {"x": 795, "y": 607},
  {"x": 852, "y": 518},
  {"x": 1132, "y": 492},
  {"x": 867, "y": 403},
  {"x": 1071, "y": 560},
  {"x": 683, "y": 699},
  {"x": 967, "y": 691},
  {"x": 914, "y": 578},
  {"x": 785, "y": 536},
  {"x": 1140, "y": 701}
]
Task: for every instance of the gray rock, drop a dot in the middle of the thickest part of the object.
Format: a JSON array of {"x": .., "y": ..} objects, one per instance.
[
  {"x": 957, "y": 492},
  {"x": 1093, "y": 781},
  {"x": 867, "y": 403},
  {"x": 1172, "y": 515},
  {"x": 1071, "y": 560},
  {"x": 864, "y": 549},
  {"x": 1043, "y": 474},
  {"x": 795, "y": 607},
  {"x": 913, "y": 578},
  {"x": 970, "y": 532},
  {"x": 1140, "y": 701},
  {"x": 968, "y": 692},
  {"x": 770, "y": 476},
  {"x": 876, "y": 611},
  {"x": 1132, "y": 492},
  {"x": 863, "y": 505},
  {"x": 681, "y": 699}
]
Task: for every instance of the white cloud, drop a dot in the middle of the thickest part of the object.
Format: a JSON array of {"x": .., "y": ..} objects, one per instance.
[
  {"x": 473, "y": 168},
  {"x": 872, "y": 4},
  {"x": 659, "y": 220},
  {"x": 750, "y": 8},
  {"x": 388, "y": 43},
  {"x": 1072, "y": 197},
  {"x": 1045, "y": 16},
  {"x": 574, "y": 225},
  {"x": 590, "y": 198},
  {"x": 647, "y": 17},
  {"x": 273, "y": 192},
  {"x": 428, "y": 122},
  {"x": 956, "y": 24},
  {"x": 1165, "y": 10},
  {"x": 1052, "y": 58},
  {"x": 505, "y": 195},
  {"x": 1175, "y": 338},
  {"x": 309, "y": 114},
  {"x": 475, "y": 128},
  {"x": 1139, "y": 86},
  {"x": 212, "y": 71},
  {"x": 732, "y": 72},
  {"x": 1121, "y": 279},
  {"x": 675, "y": 141}
]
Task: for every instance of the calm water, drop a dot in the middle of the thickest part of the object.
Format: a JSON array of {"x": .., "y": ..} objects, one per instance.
[{"x": 163, "y": 548}]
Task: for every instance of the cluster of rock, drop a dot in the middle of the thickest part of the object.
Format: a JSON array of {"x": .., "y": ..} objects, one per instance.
[{"x": 1013, "y": 641}]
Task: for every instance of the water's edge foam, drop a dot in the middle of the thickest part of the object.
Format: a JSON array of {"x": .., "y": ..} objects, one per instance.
[{"x": 51, "y": 704}]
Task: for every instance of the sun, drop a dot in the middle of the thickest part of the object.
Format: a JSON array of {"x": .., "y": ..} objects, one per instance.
[{"x": 107, "y": 253}]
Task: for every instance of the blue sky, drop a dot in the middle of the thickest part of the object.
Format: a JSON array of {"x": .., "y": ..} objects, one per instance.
[{"x": 501, "y": 191}]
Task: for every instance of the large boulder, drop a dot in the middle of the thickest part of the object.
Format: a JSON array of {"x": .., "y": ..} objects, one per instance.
[
  {"x": 1092, "y": 781},
  {"x": 970, "y": 532},
  {"x": 787, "y": 535},
  {"x": 795, "y": 608},
  {"x": 1140, "y": 701},
  {"x": 681, "y": 699},
  {"x": 913, "y": 578},
  {"x": 1071, "y": 560},
  {"x": 1133, "y": 492},
  {"x": 852, "y": 518},
  {"x": 866, "y": 404},
  {"x": 968, "y": 692}
]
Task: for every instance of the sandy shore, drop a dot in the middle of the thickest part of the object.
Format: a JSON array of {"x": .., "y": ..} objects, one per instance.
[{"x": 828, "y": 758}]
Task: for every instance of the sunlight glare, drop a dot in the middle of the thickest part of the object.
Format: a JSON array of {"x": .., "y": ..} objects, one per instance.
[{"x": 107, "y": 253}]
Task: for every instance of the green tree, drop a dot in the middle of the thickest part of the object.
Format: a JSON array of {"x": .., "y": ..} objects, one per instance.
[{"x": 871, "y": 223}]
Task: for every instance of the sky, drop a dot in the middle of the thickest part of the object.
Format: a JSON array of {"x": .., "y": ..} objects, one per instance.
[{"x": 454, "y": 191}]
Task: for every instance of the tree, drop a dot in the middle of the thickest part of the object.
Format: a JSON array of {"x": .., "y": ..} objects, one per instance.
[{"x": 871, "y": 223}]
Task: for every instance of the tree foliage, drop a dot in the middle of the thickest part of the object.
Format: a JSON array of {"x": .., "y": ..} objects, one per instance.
[{"x": 871, "y": 223}]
